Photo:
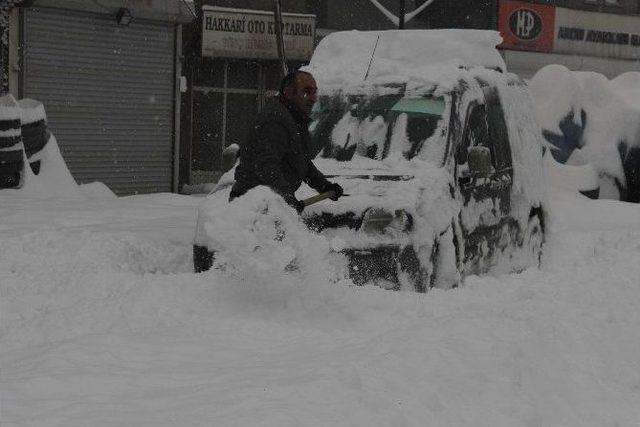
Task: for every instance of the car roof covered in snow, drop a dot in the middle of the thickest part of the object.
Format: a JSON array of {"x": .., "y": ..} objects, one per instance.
[{"x": 356, "y": 58}]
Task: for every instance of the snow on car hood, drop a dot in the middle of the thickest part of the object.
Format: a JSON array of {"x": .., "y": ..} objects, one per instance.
[
  {"x": 394, "y": 183},
  {"x": 419, "y": 188}
]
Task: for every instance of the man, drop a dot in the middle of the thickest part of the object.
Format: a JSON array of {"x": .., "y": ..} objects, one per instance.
[{"x": 277, "y": 152}]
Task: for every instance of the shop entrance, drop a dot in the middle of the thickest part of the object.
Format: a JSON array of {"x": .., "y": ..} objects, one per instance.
[{"x": 227, "y": 94}]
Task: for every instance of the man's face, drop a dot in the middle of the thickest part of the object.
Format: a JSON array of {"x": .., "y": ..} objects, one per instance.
[{"x": 303, "y": 94}]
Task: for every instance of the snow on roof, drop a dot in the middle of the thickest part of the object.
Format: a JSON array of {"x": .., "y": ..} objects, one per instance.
[{"x": 347, "y": 58}]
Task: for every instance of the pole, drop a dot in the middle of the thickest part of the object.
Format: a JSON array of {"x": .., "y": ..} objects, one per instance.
[
  {"x": 401, "y": 15},
  {"x": 277, "y": 13}
]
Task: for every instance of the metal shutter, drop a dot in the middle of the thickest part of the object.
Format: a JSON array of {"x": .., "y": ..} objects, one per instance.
[{"x": 108, "y": 94}]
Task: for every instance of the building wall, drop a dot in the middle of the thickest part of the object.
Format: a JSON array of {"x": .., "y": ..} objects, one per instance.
[
  {"x": 4, "y": 52},
  {"x": 471, "y": 14},
  {"x": 354, "y": 15},
  {"x": 293, "y": 6},
  {"x": 108, "y": 91},
  {"x": 624, "y": 7},
  {"x": 363, "y": 15}
]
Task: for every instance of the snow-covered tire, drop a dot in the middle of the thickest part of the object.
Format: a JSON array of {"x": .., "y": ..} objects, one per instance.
[
  {"x": 435, "y": 278},
  {"x": 534, "y": 239},
  {"x": 411, "y": 275},
  {"x": 202, "y": 259},
  {"x": 445, "y": 272}
]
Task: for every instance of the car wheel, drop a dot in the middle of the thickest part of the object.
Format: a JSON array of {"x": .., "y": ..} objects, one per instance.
[
  {"x": 411, "y": 275},
  {"x": 443, "y": 271},
  {"x": 202, "y": 259},
  {"x": 446, "y": 272},
  {"x": 534, "y": 239}
]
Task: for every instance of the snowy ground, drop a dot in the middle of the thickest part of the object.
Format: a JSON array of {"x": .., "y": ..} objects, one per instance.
[{"x": 103, "y": 324}]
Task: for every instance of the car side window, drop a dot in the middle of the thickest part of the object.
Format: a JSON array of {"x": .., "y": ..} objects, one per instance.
[
  {"x": 475, "y": 134},
  {"x": 477, "y": 130},
  {"x": 498, "y": 133}
]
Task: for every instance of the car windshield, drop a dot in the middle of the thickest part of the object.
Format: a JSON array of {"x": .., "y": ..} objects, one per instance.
[{"x": 373, "y": 127}]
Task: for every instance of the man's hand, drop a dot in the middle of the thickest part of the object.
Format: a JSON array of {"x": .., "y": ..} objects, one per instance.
[
  {"x": 336, "y": 188},
  {"x": 296, "y": 204}
]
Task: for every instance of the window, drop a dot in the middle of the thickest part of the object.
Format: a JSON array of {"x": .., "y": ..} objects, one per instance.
[
  {"x": 375, "y": 126},
  {"x": 476, "y": 133},
  {"x": 486, "y": 127},
  {"x": 498, "y": 132},
  {"x": 422, "y": 117}
]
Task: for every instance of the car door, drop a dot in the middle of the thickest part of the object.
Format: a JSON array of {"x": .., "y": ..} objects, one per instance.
[{"x": 487, "y": 226}]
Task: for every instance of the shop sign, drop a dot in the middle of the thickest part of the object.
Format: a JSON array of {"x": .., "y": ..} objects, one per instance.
[
  {"x": 241, "y": 33},
  {"x": 597, "y": 34},
  {"x": 526, "y": 26}
]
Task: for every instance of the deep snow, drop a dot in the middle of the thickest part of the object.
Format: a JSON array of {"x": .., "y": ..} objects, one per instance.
[{"x": 103, "y": 324}]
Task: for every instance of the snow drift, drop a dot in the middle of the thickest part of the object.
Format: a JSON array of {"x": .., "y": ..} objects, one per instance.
[{"x": 30, "y": 159}]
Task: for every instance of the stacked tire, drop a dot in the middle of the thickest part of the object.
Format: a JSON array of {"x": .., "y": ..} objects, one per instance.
[
  {"x": 35, "y": 133},
  {"x": 11, "y": 145}
]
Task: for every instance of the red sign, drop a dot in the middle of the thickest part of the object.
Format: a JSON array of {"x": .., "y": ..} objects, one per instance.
[{"x": 526, "y": 26}]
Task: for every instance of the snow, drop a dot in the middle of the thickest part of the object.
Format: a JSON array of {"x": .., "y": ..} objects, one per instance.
[
  {"x": 251, "y": 222},
  {"x": 612, "y": 112},
  {"x": 417, "y": 57},
  {"x": 104, "y": 324},
  {"x": 571, "y": 177}
]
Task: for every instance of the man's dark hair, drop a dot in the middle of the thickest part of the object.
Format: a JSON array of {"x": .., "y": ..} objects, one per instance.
[{"x": 287, "y": 81}]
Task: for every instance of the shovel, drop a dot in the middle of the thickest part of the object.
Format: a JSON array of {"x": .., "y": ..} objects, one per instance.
[{"x": 319, "y": 197}]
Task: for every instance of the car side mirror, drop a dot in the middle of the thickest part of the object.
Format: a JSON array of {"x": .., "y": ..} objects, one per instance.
[
  {"x": 229, "y": 155},
  {"x": 479, "y": 159}
]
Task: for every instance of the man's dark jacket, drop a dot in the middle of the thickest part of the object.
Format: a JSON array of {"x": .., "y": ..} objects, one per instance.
[{"x": 278, "y": 154}]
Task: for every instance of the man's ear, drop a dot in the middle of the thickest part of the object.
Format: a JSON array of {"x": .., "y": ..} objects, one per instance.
[{"x": 287, "y": 91}]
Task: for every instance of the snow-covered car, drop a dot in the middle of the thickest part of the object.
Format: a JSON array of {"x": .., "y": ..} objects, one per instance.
[
  {"x": 592, "y": 128},
  {"x": 438, "y": 150}
]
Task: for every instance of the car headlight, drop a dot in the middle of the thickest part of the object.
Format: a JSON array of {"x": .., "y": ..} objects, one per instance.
[{"x": 382, "y": 221}]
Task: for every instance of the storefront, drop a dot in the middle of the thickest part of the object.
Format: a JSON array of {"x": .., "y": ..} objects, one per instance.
[
  {"x": 107, "y": 74},
  {"x": 536, "y": 35},
  {"x": 235, "y": 72}
]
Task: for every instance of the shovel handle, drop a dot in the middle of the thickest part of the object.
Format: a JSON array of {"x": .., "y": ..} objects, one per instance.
[{"x": 318, "y": 197}]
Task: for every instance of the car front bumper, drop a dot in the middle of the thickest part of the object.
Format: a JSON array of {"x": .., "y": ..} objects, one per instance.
[{"x": 398, "y": 266}]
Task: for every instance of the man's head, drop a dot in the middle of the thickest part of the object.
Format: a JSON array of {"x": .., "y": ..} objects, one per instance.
[{"x": 299, "y": 89}]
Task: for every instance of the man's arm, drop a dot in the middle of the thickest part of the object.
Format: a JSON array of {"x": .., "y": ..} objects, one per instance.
[{"x": 315, "y": 179}]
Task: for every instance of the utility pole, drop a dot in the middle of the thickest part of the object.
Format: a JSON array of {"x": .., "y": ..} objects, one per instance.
[
  {"x": 401, "y": 15},
  {"x": 277, "y": 13}
]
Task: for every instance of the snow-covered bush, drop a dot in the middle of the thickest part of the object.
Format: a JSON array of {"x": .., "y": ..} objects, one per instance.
[{"x": 586, "y": 116}]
